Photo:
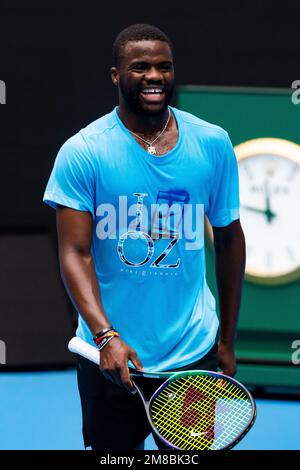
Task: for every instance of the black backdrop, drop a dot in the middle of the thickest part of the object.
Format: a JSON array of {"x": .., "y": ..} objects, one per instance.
[{"x": 54, "y": 60}]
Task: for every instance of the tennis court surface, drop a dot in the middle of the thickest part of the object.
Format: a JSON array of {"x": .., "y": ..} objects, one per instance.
[{"x": 41, "y": 411}]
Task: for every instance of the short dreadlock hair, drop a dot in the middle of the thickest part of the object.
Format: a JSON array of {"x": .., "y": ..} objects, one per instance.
[{"x": 137, "y": 32}]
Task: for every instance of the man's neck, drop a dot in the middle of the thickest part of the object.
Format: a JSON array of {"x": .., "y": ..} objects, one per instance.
[{"x": 142, "y": 124}]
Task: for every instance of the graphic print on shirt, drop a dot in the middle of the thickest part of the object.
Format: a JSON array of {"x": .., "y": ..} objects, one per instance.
[
  {"x": 136, "y": 235},
  {"x": 167, "y": 217},
  {"x": 169, "y": 213}
]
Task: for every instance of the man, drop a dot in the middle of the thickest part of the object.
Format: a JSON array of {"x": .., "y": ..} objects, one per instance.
[{"x": 131, "y": 191}]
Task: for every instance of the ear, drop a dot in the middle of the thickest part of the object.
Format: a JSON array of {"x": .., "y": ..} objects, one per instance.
[{"x": 114, "y": 76}]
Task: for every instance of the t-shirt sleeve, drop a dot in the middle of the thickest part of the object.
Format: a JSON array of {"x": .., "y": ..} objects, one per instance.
[
  {"x": 224, "y": 197},
  {"x": 72, "y": 181}
]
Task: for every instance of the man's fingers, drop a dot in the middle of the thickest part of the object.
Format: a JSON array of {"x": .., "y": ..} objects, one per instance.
[
  {"x": 108, "y": 376},
  {"x": 113, "y": 376},
  {"x": 126, "y": 381},
  {"x": 135, "y": 361},
  {"x": 229, "y": 371},
  {"x": 115, "y": 368}
]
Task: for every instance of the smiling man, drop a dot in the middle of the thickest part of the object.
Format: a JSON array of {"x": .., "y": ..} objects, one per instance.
[{"x": 130, "y": 191}]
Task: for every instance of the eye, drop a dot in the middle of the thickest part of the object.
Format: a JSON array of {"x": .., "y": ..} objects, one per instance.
[
  {"x": 139, "y": 67},
  {"x": 166, "y": 67}
]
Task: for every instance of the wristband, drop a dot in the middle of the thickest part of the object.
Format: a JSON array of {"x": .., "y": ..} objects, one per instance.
[
  {"x": 104, "y": 342},
  {"x": 102, "y": 332},
  {"x": 106, "y": 335}
]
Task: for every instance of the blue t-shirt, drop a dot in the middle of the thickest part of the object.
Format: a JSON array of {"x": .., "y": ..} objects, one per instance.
[{"x": 148, "y": 230}]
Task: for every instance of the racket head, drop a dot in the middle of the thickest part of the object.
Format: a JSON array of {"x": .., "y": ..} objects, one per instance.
[{"x": 201, "y": 410}]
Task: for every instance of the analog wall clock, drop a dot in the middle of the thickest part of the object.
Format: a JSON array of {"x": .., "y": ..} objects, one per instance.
[{"x": 269, "y": 178}]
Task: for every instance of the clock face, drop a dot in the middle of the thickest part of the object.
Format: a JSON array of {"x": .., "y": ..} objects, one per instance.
[{"x": 269, "y": 179}]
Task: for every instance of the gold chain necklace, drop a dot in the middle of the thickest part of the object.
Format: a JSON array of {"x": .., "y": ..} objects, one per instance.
[{"x": 151, "y": 149}]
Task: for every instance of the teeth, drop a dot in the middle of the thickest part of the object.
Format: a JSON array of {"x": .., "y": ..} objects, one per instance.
[{"x": 152, "y": 90}]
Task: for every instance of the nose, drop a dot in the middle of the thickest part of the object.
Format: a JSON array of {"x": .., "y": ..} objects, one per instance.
[{"x": 153, "y": 74}]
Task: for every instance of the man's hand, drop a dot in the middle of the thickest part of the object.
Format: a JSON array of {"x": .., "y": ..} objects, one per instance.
[
  {"x": 113, "y": 363},
  {"x": 226, "y": 359}
]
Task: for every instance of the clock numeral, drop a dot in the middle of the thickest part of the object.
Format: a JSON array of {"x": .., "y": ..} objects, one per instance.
[
  {"x": 290, "y": 253},
  {"x": 268, "y": 259},
  {"x": 247, "y": 171},
  {"x": 249, "y": 249},
  {"x": 280, "y": 190},
  {"x": 294, "y": 169}
]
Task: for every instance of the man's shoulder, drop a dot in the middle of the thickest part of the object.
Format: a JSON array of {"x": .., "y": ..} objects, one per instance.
[
  {"x": 198, "y": 125},
  {"x": 81, "y": 142},
  {"x": 100, "y": 126}
]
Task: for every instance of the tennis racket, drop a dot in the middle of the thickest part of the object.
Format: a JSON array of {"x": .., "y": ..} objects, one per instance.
[{"x": 191, "y": 410}]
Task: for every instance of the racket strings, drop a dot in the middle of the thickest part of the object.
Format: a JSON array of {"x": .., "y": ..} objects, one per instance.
[
  {"x": 169, "y": 423},
  {"x": 211, "y": 431},
  {"x": 201, "y": 412}
]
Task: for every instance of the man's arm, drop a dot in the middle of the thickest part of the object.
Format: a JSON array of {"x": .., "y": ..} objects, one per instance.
[
  {"x": 74, "y": 230},
  {"x": 230, "y": 254}
]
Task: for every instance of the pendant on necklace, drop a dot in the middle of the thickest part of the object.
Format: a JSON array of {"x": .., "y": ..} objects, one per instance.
[{"x": 151, "y": 150}]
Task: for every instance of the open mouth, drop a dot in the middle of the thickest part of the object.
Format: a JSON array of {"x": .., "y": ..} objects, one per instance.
[{"x": 153, "y": 94}]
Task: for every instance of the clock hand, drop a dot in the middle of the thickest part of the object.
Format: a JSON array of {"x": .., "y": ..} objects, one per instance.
[
  {"x": 253, "y": 209},
  {"x": 269, "y": 214}
]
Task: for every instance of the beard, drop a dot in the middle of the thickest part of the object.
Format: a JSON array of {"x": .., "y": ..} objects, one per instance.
[{"x": 131, "y": 96}]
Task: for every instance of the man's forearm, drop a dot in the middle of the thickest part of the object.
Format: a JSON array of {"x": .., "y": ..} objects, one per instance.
[
  {"x": 230, "y": 269},
  {"x": 80, "y": 280}
]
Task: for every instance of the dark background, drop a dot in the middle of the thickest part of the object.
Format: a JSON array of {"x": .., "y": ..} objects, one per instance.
[{"x": 55, "y": 59}]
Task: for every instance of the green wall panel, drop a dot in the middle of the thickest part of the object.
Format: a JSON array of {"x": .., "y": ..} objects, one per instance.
[{"x": 270, "y": 315}]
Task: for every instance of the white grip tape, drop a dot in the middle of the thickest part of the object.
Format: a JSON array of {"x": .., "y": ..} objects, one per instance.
[{"x": 78, "y": 346}]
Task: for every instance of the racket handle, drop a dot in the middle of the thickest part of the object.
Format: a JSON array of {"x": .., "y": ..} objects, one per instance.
[{"x": 78, "y": 346}]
